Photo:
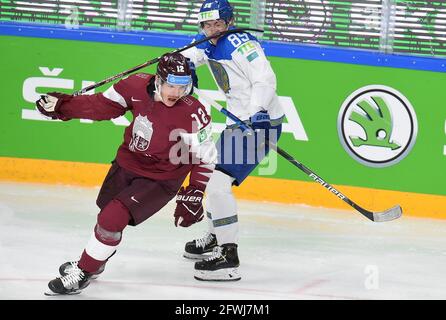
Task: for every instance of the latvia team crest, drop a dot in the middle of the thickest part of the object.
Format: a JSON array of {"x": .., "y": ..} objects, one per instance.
[{"x": 141, "y": 135}]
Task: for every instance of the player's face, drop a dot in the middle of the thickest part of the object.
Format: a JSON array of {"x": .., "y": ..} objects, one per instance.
[
  {"x": 172, "y": 93},
  {"x": 212, "y": 27}
]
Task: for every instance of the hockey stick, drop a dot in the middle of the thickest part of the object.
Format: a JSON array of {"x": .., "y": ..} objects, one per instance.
[
  {"x": 150, "y": 62},
  {"x": 380, "y": 216}
]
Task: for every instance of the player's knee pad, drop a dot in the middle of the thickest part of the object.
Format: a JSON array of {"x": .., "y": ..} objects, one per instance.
[
  {"x": 111, "y": 222},
  {"x": 110, "y": 238},
  {"x": 114, "y": 217}
]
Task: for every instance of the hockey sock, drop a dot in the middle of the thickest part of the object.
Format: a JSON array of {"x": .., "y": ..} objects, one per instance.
[{"x": 106, "y": 236}]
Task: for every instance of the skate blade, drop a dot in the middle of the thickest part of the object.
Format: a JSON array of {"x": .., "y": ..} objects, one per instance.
[
  {"x": 225, "y": 280},
  {"x": 53, "y": 294},
  {"x": 193, "y": 256},
  {"x": 230, "y": 274}
]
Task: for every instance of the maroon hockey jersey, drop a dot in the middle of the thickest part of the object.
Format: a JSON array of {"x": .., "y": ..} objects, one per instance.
[{"x": 149, "y": 139}]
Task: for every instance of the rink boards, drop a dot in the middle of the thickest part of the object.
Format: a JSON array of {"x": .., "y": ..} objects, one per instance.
[
  {"x": 373, "y": 125},
  {"x": 254, "y": 188}
]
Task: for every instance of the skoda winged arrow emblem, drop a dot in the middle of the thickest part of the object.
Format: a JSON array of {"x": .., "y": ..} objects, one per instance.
[{"x": 377, "y": 126}]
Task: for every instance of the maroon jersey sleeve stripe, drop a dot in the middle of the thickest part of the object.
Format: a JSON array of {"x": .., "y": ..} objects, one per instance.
[{"x": 200, "y": 175}]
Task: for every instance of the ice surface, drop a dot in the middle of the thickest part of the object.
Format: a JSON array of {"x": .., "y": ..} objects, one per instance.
[{"x": 286, "y": 252}]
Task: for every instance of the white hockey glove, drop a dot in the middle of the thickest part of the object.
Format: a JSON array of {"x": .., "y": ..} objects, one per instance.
[
  {"x": 202, "y": 145},
  {"x": 207, "y": 152},
  {"x": 47, "y": 102}
]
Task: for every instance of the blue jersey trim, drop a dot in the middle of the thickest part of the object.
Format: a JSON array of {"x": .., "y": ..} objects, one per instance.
[
  {"x": 355, "y": 56},
  {"x": 225, "y": 47},
  {"x": 276, "y": 49}
]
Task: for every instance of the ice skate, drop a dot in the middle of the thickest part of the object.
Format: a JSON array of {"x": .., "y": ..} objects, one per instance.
[
  {"x": 198, "y": 248},
  {"x": 69, "y": 266},
  {"x": 72, "y": 283},
  {"x": 222, "y": 265}
]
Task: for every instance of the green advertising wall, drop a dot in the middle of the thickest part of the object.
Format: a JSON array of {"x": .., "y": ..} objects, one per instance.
[{"x": 317, "y": 89}]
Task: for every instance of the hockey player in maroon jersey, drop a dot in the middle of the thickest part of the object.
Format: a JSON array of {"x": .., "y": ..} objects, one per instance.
[{"x": 151, "y": 164}]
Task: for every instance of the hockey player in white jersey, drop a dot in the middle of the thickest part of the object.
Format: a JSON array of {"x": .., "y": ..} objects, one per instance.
[{"x": 243, "y": 73}]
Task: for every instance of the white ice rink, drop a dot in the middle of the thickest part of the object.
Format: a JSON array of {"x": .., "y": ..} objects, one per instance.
[{"x": 286, "y": 252}]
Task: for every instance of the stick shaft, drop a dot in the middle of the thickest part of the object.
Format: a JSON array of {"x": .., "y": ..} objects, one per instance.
[
  {"x": 368, "y": 214},
  {"x": 153, "y": 61}
]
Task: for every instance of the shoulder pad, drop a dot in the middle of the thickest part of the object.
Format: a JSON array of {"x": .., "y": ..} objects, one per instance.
[
  {"x": 143, "y": 75},
  {"x": 203, "y": 45},
  {"x": 248, "y": 50},
  {"x": 234, "y": 41}
]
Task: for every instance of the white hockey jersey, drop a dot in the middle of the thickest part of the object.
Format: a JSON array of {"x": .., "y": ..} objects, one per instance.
[{"x": 242, "y": 72}]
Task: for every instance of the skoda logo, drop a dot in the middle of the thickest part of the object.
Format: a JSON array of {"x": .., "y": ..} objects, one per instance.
[{"x": 377, "y": 126}]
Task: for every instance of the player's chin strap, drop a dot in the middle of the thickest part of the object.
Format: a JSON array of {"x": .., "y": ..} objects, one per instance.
[
  {"x": 386, "y": 215},
  {"x": 158, "y": 88}
]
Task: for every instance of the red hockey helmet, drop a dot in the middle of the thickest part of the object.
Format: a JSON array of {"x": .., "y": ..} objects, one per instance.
[{"x": 173, "y": 68}]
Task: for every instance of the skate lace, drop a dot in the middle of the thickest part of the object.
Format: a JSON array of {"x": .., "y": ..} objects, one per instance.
[
  {"x": 74, "y": 276},
  {"x": 216, "y": 253},
  {"x": 203, "y": 241}
]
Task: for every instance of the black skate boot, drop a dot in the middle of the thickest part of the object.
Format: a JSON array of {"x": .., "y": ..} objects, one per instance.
[
  {"x": 197, "y": 249},
  {"x": 69, "y": 266},
  {"x": 72, "y": 283},
  {"x": 222, "y": 265}
]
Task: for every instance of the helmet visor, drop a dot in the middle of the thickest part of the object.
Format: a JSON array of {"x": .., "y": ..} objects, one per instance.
[
  {"x": 183, "y": 83},
  {"x": 178, "y": 80}
]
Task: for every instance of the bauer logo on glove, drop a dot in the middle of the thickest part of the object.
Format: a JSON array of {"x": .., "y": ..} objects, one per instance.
[
  {"x": 260, "y": 120},
  {"x": 189, "y": 208}
]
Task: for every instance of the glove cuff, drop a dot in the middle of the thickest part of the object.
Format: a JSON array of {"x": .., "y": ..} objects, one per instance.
[
  {"x": 56, "y": 114},
  {"x": 195, "y": 187},
  {"x": 61, "y": 99}
]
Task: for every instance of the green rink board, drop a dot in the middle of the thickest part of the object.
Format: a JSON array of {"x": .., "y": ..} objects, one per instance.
[{"x": 317, "y": 89}]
